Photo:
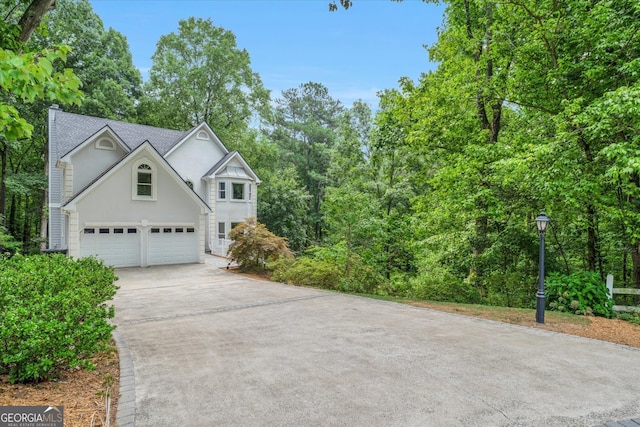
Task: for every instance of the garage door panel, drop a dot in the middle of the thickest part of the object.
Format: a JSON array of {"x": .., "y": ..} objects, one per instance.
[
  {"x": 172, "y": 245},
  {"x": 116, "y": 246}
]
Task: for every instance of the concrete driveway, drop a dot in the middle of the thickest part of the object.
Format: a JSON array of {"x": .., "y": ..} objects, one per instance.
[{"x": 209, "y": 348}]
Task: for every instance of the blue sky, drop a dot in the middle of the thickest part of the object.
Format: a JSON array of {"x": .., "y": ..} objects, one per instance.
[{"x": 354, "y": 53}]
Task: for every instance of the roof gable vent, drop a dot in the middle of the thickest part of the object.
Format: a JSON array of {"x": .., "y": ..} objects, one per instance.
[
  {"x": 105, "y": 144},
  {"x": 202, "y": 135}
]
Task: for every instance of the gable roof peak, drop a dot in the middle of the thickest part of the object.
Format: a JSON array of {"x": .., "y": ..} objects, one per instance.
[
  {"x": 218, "y": 167},
  {"x": 194, "y": 131}
]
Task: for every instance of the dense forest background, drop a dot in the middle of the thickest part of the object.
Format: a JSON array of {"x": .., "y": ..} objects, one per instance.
[{"x": 534, "y": 104}]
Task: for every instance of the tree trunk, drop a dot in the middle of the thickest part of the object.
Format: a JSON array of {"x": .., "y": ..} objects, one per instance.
[
  {"x": 592, "y": 239},
  {"x": 12, "y": 225},
  {"x": 44, "y": 209},
  {"x": 3, "y": 186},
  {"x": 625, "y": 256},
  {"x": 44, "y": 221},
  {"x": 32, "y": 17},
  {"x": 26, "y": 226},
  {"x": 489, "y": 113},
  {"x": 635, "y": 259}
]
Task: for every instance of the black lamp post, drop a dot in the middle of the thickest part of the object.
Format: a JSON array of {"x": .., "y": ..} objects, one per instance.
[{"x": 542, "y": 221}]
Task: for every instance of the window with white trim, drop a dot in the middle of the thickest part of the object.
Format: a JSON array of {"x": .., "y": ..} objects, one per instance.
[
  {"x": 222, "y": 190},
  {"x": 145, "y": 184},
  {"x": 144, "y": 180},
  {"x": 237, "y": 192},
  {"x": 222, "y": 233}
]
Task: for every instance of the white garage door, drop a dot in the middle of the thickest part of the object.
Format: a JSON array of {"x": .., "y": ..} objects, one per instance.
[
  {"x": 117, "y": 246},
  {"x": 172, "y": 245}
]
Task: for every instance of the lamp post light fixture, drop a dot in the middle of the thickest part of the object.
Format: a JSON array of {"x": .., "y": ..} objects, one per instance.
[{"x": 542, "y": 222}]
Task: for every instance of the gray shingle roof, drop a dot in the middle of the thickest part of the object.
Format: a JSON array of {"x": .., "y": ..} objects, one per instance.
[
  {"x": 70, "y": 130},
  {"x": 221, "y": 162}
]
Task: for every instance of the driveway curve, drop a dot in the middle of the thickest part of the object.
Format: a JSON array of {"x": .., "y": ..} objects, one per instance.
[{"x": 210, "y": 348}]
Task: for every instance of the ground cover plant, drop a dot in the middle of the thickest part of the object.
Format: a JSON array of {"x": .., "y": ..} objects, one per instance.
[{"x": 54, "y": 314}]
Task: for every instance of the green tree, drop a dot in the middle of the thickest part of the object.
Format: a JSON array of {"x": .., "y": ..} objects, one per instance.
[
  {"x": 304, "y": 126},
  {"x": 533, "y": 104},
  {"x": 349, "y": 208},
  {"x": 368, "y": 201},
  {"x": 27, "y": 76},
  {"x": 199, "y": 74},
  {"x": 282, "y": 206},
  {"x": 578, "y": 61},
  {"x": 100, "y": 58}
]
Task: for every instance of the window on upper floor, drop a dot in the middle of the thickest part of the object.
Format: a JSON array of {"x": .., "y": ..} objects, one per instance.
[
  {"x": 222, "y": 190},
  {"x": 202, "y": 135},
  {"x": 144, "y": 180},
  {"x": 237, "y": 191}
]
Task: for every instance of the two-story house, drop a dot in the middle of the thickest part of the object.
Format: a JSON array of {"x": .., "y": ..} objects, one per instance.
[{"x": 136, "y": 195}]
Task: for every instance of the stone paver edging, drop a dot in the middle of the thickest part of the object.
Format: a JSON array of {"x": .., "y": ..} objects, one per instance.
[{"x": 126, "y": 410}]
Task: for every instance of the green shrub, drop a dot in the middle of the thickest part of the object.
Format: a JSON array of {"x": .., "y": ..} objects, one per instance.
[
  {"x": 582, "y": 292},
  {"x": 53, "y": 314},
  {"x": 306, "y": 271},
  {"x": 361, "y": 278},
  {"x": 331, "y": 267},
  {"x": 440, "y": 285},
  {"x": 510, "y": 289}
]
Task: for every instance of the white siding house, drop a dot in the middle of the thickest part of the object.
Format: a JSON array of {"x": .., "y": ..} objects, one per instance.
[{"x": 136, "y": 195}]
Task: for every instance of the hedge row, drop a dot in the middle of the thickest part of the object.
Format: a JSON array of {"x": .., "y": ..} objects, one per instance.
[{"x": 53, "y": 314}]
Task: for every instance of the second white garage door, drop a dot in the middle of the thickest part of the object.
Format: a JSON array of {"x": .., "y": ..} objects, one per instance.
[{"x": 172, "y": 245}]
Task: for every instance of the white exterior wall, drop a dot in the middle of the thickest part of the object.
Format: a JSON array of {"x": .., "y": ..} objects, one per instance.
[
  {"x": 254, "y": 200},
  {"x": 112, "y": 202},
  {"x": 202, "y": 236},
  {"x": 90, "y": 162},
  {"x": 212, "y": 218},
  {"x": 74, "y": 235},
  {"x": 67, "y": 173},
  {"x": 229, "y": 211},
  {"x": 193, "y": 158}
]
